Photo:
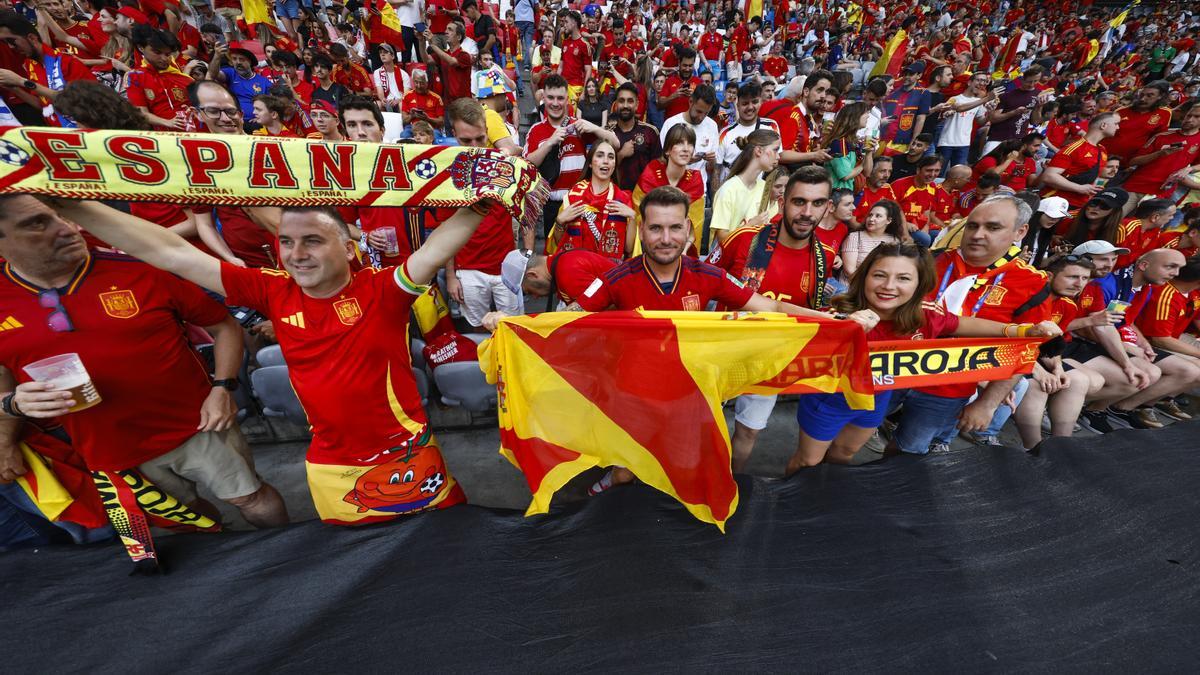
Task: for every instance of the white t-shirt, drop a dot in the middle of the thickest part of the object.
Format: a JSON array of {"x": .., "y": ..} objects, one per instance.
[
  {"x": 727, "y": 149},
  {"x": 410, "y": 12},
  {"x": 959, "y": 125},
  {"x": 393, "y": 92},
  {"x": 706, "y": 139}
]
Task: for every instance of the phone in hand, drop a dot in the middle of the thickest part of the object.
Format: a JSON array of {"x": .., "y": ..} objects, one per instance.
[{"x": 420, "y": 27}]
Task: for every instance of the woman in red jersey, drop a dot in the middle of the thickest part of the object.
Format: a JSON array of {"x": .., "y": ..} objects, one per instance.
[
  {"x": 672, "y": 169},
  {"x": 893, "y": 282},
  {"x": 597, "y": 215}
]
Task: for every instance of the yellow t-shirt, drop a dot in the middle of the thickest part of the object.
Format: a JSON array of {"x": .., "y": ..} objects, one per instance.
[{"x": 496, "y": 128}]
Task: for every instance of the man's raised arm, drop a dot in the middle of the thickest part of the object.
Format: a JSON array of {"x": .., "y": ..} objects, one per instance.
[
  {"x": 145, "y": 241},
  {"x": 442, "y": 244}
]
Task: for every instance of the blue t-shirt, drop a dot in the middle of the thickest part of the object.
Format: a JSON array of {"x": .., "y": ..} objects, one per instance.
[{"x": 245, "y": 89}]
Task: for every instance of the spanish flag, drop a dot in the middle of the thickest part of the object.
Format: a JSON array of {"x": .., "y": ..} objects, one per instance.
[
  {"x": 752, "y": 8},
  {"x": 644, "y": 390},
  {"x": 893, "y": 55}
]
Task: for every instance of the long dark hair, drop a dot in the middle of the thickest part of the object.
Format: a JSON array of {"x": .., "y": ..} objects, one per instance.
[
  {"x": 845, "y": 123},
  {"x": 907, "y": 318},
  {"x": 896, "y": 227},
  {"x": 1105, "y": 229}
]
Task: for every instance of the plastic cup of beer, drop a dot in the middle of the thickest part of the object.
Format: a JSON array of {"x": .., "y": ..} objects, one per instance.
[
  {"x": 393, "y": 242},
  {"x": 66, "y": 373}
]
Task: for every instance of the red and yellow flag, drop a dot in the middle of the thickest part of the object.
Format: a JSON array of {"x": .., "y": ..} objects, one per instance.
[
  {"x": 643, "y": 390},
  {"x": 893, "y": 55}
]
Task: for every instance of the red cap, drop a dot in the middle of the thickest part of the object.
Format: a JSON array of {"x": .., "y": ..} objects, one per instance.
[
  {"x": 134, "y": 13},
  {"x": 321, "y": 104}
]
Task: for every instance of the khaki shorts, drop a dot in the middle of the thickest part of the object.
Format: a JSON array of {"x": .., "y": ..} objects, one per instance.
[{"x": 219, "y": 460}]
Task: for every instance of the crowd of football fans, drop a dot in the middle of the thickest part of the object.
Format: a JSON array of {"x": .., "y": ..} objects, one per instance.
[{"x": 926, "y": 169}]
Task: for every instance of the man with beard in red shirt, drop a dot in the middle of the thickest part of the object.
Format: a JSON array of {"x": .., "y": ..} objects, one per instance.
[{"x": 1140, "y": 122}]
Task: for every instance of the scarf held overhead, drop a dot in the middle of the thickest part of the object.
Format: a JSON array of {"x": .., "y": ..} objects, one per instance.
[{"x": 229, "y": 170}]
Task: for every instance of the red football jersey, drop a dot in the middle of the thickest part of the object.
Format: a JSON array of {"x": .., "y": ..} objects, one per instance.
[
  {"x": 127, "y": 319},
  {"x": 1137, "y": 128},
  {"x": 869, "y": 198},
  {"x": 247, "y": 239},
  {"x": 915, "y": 201},
  {"x": 1002, "y": 291},
  {"x": 938, "y": 323},
  {"x": 1150, "y": 178},
  {"x": 1080, "y": 159},
  {"x": 492, "y": 240},
  {"x": 347, "y": 355},
  {"x": 1166, "y": 314},
  {"x": 631, "y": 285},
  {"x": 790, "y": 275},
  {"x": 575, "y": 271},
  {"x": 576, "y": 56},
  {"x": 163, "y": 93}
]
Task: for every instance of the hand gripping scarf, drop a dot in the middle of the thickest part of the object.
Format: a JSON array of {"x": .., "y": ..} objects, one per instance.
[{"x": 243, "y": 170}]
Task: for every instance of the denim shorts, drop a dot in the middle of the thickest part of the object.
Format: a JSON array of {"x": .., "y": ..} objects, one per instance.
[
  {"x": 926, "y": 417},
  {"x": 823, "y": 416},
  {"x": 287, "y": 9}
]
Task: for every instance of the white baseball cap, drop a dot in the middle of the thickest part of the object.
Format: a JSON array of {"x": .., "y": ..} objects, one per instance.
[
  {"x": 1055, "y": 207},
  {"x": 1098, "y": 247}
]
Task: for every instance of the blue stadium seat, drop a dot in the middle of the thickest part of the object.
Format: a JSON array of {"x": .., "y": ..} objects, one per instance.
[
  {"x": 270, "y": 355},
  {"x": 422, "y": 384},
  {"x": 418, "y": 355},
  {"x": 462, "y": 385},
  {"x": 274, "y": 389}
]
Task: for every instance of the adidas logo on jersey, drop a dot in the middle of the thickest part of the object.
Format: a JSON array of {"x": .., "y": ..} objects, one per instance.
[
  {"x": 296, "y": 320},
  {"x": 10, "y": 323}
]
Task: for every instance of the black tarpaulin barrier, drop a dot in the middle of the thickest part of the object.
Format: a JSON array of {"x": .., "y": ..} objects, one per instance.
[{"x": 1083, "y": 558}]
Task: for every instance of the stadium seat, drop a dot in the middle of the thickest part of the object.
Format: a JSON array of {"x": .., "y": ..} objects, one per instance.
[
  {"x": 274, "y": 389},
  {"x": 417, "y": 347},
  {"x": 422, "y": 384},
  {"x": 393, "y": 126},
  {"x": 270, "y": 355},
  {"x": 462, "y": 385}
]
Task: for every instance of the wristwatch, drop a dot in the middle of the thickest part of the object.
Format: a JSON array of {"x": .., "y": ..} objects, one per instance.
[
  {"x": 9, "y": 407},
  {"x": 231, "y": 384},
  {"x": 29, "y": 84}
]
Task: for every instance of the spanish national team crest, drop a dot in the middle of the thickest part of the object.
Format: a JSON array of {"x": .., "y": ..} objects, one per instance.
[
  {"x": 805, "y": 281},
  {"x": 348, "y": 311},
  {"x": 119, "y": 304},
  {"x": 1154, "y": 119},
  {"x": 691, "y": 303},
  {"x": 995, "y": 295}
]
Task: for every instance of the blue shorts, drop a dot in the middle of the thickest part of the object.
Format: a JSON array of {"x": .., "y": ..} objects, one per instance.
[
  {"x": 287, "y": 9},
  {"x": 823, "y": 416}
]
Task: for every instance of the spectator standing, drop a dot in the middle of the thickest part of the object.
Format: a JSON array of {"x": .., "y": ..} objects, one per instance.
[{"x": 696, "y": 117}]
